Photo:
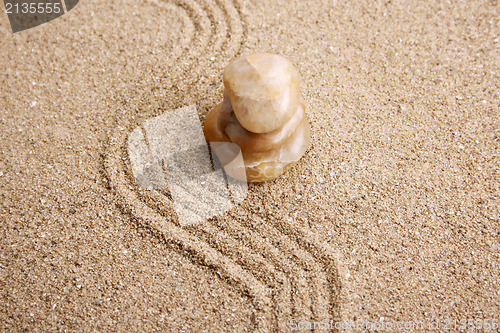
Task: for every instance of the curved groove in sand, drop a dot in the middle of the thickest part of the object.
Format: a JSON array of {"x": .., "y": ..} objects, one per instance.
[
  {"x": 300, "y": 307},
  {"x": 297, "y": 263},
  {"x": 341, "y": 298},
  {"x": 332, "y": 263},
  {"x": 217, "y": 19},
  {"x": 187, "y": 36},
  {"x": 201, "y": 66},
  {"x": 226, "y": 42},
  {"x": 198, "y": 34},
  {"x": 236, "y": 23},
  {"x": 254, "y": 263}
]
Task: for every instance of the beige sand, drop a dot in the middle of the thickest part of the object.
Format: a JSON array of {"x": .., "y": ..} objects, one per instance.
[{"x": 392, "y": 215}]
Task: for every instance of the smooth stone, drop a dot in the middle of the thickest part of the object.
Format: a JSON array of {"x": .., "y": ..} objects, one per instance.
[
  {"x": 263, "y": 90},
  {"x": 256, "y": 142},
  {"x": 263, "y": 166}
]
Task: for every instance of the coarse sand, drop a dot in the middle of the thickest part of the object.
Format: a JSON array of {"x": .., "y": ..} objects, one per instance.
[{"x": 392, "y": 216}]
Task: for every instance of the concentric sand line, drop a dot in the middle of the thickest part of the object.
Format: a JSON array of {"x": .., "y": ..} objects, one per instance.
[
  {"x": 186, "y": 38},
  {"x": 317, "y": 281},
  {"x": 219, "y": 33},
  {"x": 198, "y": 34},
  {"x": 300, "y": 307},
  {"x": 337, "y": 272},
  {"x": 256, "y": 264},
  {"x": 225, "y": 41},
  {"x": 294, "y": 261},
  {"x": 235, "y": 38}
]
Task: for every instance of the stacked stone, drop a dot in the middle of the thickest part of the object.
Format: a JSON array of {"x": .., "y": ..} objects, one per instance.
[{"x": 263, "y": 113}]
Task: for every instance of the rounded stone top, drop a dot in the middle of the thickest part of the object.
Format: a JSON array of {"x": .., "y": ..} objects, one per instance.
[{"x": 263, "y": 89}]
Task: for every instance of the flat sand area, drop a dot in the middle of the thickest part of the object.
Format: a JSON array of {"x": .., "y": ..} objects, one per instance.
[{"x": 392, "y": 215}]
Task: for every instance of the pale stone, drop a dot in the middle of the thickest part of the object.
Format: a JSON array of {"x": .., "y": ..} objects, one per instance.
[
  {"x": 263, "y": 89},
  {"x": 261, "y": 167},
  {"x": 257, "y": 142}
]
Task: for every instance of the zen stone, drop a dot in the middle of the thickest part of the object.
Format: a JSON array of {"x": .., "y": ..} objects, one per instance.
[{"x": 262, "y": 112}]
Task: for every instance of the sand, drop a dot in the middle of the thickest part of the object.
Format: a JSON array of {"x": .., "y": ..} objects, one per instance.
[{"x": 391, "y": 216}]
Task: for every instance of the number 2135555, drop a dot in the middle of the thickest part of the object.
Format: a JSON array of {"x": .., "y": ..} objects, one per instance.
[{"x": 33, "y": 8}]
